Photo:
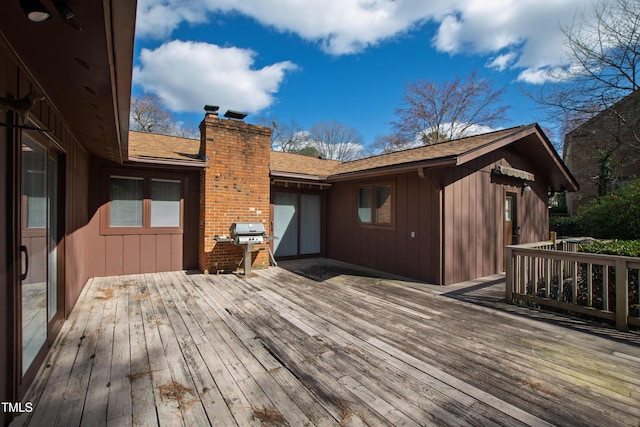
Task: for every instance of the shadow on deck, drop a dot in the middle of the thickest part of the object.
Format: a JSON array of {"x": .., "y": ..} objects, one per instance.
[{"x": 316, "y": 342}]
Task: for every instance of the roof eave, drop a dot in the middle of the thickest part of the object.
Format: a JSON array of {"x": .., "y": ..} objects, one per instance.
[
  {"x": 300, "y": 176},
  {"x": 199, "y": 164},
  {"x": 394, "y": 169}
]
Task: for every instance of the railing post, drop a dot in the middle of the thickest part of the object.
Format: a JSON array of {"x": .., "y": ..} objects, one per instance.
[
  {"x": 622, "y": 295},
  {"x": 509, "y": 276}
]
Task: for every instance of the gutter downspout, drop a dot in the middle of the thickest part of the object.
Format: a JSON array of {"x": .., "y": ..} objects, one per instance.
[{"x": 440, "y": 188}]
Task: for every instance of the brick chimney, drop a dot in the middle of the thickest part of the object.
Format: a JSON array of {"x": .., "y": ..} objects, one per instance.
[{"x": 234, "y": 187}]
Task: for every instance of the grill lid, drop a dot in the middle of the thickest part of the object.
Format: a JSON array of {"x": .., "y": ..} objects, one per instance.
[{"x": 247, "y": 229}]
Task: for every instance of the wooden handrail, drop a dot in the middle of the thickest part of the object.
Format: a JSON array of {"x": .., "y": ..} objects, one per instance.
[{"x": 530, "y": 266}]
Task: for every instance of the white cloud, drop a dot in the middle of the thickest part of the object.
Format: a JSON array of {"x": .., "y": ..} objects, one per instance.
[
  {"x": 188, "y": 75},
  {"x": 502, "y": 62},
  {"x": 456, "y": 131},
  {"x": 518, "y": 34},
  {"x": 157, "y": 19},
  {"x": 338, "y": 26}
]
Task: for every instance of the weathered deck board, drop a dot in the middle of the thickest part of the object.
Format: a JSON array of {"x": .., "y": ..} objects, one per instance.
[
  {"x": 484, "y": 369},
  {"x": 100, "y": 362},
  {"x": 431, "y": 379},
  {"x": 142, "y": 399},
  {"x": 63, "y": 362},
  {"x": 279, "y": 348}
]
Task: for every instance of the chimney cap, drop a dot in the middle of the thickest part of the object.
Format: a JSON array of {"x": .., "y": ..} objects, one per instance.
[
  {"x": 211, "y": 108},
  {"x": 237, "y": 115}
]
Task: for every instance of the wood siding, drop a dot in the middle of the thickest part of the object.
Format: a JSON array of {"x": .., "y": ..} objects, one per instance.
[
  {"x": 391, "y": 249},
  {"x": 465, "y": 202},
  {"x": 146, "y": 252},
  {"x": 8, "y": 245},
  {"x": 474, "y": 215},
  {"x": 16, "y": 82}
]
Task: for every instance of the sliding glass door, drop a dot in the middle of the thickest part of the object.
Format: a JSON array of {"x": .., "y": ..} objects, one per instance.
[
  {"x": 296, "y": 224},
  {"x": 38, "y": 245}
]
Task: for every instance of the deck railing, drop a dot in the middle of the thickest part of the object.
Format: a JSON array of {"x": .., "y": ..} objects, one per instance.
[{"x": 554, "y": 274}]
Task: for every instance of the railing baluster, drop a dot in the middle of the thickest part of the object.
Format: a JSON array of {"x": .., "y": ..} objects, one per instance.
[
  {"x": 574, "y": 296},
  {"x": 561, "y": 282},
  {"x": 536, "y": 267},
  {"x": 590, "y": 285},
  {"x": 548, "y": 278},
  {"x": 605, "y": 287},
  {"x": 509, "y": 275},
  {"x": 521, "y": 272}
]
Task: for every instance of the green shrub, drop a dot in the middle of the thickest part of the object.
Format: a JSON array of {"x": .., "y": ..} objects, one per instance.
[
  {"x": 614, "y": 216},
  {"x": 565, "y": 226},
  {"x": 614, "y": 247}
]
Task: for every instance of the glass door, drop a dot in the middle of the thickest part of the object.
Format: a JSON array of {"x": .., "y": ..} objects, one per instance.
[
  {"x": 285, "y": 224},
  {"x": 38, "y": 246},
  {"x": 296, "y": 224}
]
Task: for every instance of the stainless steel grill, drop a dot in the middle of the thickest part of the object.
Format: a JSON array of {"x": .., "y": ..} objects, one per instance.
[{"x": 245, "y": 233}]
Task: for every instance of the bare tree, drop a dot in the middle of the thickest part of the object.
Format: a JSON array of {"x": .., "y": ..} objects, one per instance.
[
  {"x": 593, "y": 98},
  {"x": 286, "y": 136},
  {"x": 390, "y": 143},
  {"x": 148, "y": 114},
  {"x": 336, "y": 141},
  {"x": 432, "y": 112},
  {"x": 602, "y": 69}
]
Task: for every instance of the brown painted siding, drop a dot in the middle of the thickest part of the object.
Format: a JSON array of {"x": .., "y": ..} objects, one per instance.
[
  {"x": 7, "y": 246},
  {"x": 16, "y": 82},
  {"x": 468, "y": 200},
  {"x": 389, "y": 249},
  {"x": 474, "y": 215},
  {"x": 118, "y": 254},
  {"x": 473, "y": 221}
]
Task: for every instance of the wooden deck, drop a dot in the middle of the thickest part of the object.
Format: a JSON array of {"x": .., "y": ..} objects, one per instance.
[{"x": 322, "y": 343}]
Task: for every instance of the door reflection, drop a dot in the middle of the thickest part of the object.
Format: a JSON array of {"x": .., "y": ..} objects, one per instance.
[{"x": 34, "y": 231}]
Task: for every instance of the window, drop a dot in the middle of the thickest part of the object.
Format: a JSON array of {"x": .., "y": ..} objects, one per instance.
[
  {"x": 508, "y": 208},
  {"x": 375, "y": 204},
  {"x": 126, "y": 201},
  {"x": 142, "y": 204},
  {"x": 165, "y": 203}
]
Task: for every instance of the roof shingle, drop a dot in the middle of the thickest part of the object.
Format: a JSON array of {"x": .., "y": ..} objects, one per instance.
[
  {"x": 442, "y": 150},
  {"x": 156, "y": 146},
  {"x": 303, "y": 165}
]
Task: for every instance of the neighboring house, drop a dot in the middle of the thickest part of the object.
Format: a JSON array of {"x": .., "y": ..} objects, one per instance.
[
  {"x": 85, "y": 197},
  {"x": 615, "y": 131}
]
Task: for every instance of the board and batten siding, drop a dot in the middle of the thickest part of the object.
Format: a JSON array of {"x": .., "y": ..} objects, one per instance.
[
  {"x": 145, "y": 252},
  {"x": 16, "y": 82},
  {"x": 474, "y": 200},
  {"x": 390, "y": 249},
  {"x": 456, "y": 213}
]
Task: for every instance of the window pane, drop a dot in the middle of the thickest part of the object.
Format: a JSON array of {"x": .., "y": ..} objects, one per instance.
[
  {"x": 383, "y": 205},
  {"x": 285, "y": 224},
  {"x": 34, "y": 185},
  {"x": 310, "y": 216},
  {"x": 507, "y": 208},
  {"x": 165, "y": 203},
  {"x": 126, "y": 202},
  {"x": 364, "y": 205}
]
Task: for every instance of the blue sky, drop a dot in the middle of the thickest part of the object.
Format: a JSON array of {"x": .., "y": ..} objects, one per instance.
[{"x": 342, "y": 60}]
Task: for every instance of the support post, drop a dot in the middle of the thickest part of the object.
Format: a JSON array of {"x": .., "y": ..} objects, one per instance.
[
  {"x": 622, "y": 295},
  {"x": 248, "y": 249},
  {"x": 509, "y": 275}
]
